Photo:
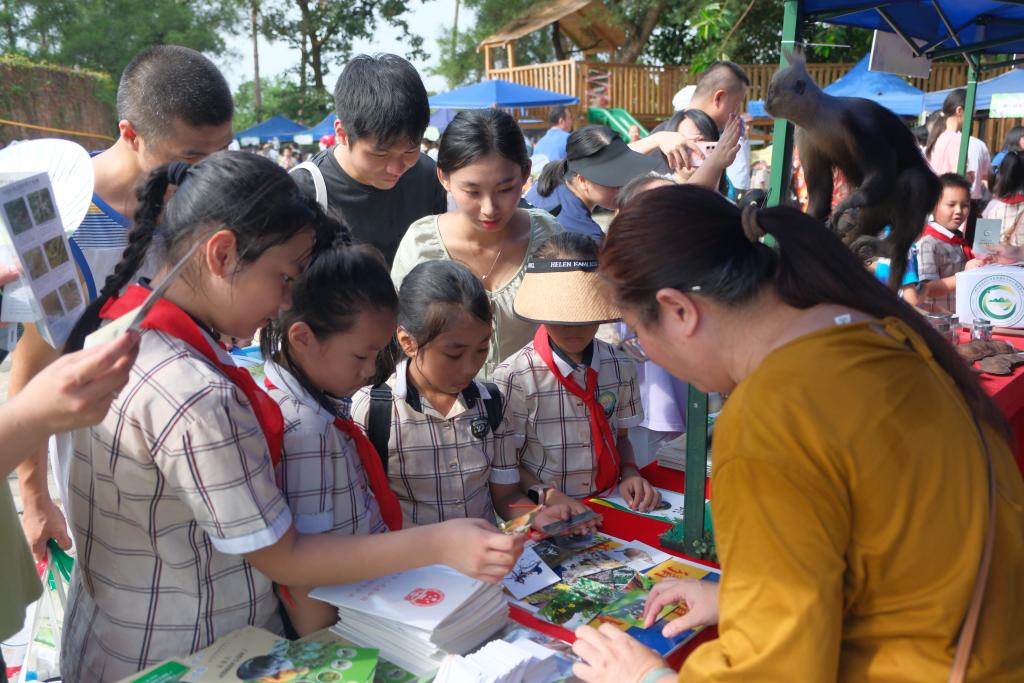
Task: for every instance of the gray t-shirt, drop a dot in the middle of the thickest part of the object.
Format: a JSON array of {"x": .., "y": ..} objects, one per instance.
[{"x": 378, "y": 217}]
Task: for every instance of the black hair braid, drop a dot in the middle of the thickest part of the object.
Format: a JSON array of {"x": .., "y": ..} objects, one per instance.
[{"x": 151, "y": 205}]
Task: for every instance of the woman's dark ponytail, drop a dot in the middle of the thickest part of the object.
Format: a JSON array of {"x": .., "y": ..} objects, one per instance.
[
  {"x": 551, "y": 177},
  {"x": 585, "y": 142},
  {"x": 956, "y": 98},
  {"x": 151, "y": 205}
]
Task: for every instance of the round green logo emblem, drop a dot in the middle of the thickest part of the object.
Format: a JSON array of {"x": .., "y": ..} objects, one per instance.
[{"x": 998, "y": 302}]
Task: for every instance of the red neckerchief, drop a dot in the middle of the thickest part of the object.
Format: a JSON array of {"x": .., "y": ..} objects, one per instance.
[
  {"x": 957, "y": 238},
  {"x": 387, "y": 501},
  {"x": 605, "y": 450},
  {"x": 1012, "y": 199},
  {"x": 169, "y": 318}
]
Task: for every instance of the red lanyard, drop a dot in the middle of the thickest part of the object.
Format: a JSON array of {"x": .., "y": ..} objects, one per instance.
[{"x": 169, "y": 318}]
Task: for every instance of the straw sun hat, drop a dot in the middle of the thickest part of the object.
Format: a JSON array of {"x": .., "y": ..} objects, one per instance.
[{"x": 563, "y": 292}]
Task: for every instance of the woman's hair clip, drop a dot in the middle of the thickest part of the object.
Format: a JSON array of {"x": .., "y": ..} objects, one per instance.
[
  {"x": 695, "y": 288},
  {"x": 177, "y": 172}
]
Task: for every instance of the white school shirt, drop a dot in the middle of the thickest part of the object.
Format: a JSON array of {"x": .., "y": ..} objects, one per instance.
[
  {"x": 441, "y": 466},
  {"x": 551, "y": 427},
  {"x": 320, "y": 472}
]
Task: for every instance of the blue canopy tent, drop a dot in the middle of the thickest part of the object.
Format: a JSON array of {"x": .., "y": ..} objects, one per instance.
[
  {"x": 889, "y": 90},
  {"x": 441, "y": 118},
  {"x": 501, "y": 95},
  {"x": 325, "y": 127},
  {"x": 1011, "y": 81},
  {"x": 280, "y": 127}
]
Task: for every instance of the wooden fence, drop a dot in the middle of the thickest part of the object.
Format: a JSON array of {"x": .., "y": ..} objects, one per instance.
[{"x": 646, "y": 91}]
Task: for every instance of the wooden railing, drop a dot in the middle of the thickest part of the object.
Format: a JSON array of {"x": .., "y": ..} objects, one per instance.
[{"x": 646, "y": 91}]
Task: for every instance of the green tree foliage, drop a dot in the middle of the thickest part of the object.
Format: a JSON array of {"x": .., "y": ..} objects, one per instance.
[
  {"x": 282, "y": 95},
  {"x": 697, "y": 32},
  {"x": 105, "y": 34},
  {"x": 694, "y": 32},
  {"x": 466, "y": 65},
  {"x": 323, "y": 31}
]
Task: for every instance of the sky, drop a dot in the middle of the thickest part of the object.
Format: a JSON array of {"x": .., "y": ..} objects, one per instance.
[{"x": 426, "y": 19}]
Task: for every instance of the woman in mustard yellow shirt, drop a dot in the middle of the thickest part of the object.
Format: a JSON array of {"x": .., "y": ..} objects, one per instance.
[{"x": 851, "y": 489}]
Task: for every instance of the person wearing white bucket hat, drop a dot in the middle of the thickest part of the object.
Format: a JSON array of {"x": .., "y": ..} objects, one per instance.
[{"x": 571, "y": 398}]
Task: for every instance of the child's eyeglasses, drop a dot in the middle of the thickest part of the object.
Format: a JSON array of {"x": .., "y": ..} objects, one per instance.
[{"x": 630, "y": 346}]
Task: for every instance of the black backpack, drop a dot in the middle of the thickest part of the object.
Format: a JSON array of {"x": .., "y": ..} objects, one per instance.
[{"x": 378, "y": 420}]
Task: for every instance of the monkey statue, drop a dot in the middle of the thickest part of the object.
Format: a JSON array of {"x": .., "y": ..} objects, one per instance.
[{"x": 891, "y": 181}]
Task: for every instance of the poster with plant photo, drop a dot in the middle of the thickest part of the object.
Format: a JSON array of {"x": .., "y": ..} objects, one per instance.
[{"x": 49, "y": 293}]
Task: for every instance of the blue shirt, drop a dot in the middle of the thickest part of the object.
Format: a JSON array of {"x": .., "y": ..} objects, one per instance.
[
  {"x": 552, "y": 145},
  {"x": 910, "y": 277},
  {"x": 570, "y": 211}
]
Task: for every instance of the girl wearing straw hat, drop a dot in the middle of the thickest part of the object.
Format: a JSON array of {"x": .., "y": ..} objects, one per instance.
[{"x": 571, "y": 398}]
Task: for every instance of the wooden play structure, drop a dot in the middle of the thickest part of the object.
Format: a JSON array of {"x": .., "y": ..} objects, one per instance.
[{"x": 646, "y": 91}]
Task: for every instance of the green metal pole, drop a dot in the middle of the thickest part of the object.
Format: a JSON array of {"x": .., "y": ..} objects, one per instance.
[
  {"x": 782, "y": 138},
  {"x": 696, "y": 468},
  {"x": 965, "y": 132}
]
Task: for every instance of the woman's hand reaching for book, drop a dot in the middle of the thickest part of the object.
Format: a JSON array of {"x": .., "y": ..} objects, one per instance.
[
  {"x": 699, "y": 597},
  {"x": 477, "y": 549}
]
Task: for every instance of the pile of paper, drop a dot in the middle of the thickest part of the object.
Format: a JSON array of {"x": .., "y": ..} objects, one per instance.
[
  {"x": 500, "y": 661},
  {"x": 418, "y": 617},
  {"x": 673, "y": 455}
]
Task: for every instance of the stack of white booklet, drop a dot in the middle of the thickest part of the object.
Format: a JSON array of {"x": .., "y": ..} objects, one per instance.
[
  {"x": 500, "y": 661},
  {"x": 417, "y": 617}
]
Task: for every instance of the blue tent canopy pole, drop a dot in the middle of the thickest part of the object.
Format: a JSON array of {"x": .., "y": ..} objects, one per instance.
[{"x": 782, "y": 136}]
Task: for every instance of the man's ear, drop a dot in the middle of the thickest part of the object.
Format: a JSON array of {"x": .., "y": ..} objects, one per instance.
[
  {"x": 129, "y": 134},
  {"x": 340, "y": 136}
]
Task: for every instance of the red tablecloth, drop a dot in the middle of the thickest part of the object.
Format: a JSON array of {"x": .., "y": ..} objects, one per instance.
[
  {"x": 1008, "y": 393},
  {"x": 631, "y": 527}
]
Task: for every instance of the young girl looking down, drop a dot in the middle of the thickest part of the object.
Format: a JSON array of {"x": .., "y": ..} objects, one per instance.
[
  {"x": 179, "y": 524},
  {"x": 483, "y": 163},
  {"x": 318, "y": 351},
  {"x": 571, "y": 397},
  {"x": 441, "y": 428}
]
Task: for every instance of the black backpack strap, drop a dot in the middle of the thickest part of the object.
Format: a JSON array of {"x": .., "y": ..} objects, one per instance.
[
  {"x": 378, "y": 421},
  {"x": 493, "y": 406}
]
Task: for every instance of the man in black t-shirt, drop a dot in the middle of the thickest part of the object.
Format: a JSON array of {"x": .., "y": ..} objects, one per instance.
[{"x": 375, "y": 176}]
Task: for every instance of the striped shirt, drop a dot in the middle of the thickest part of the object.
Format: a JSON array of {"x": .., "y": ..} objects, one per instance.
[
  {"x": 551, "y": 427},
  {"x": 101, "y": 238},
  {"x": 440, "y": 466},
  {"x": 168, "y": 493},
  {"x": 320, "y": 473}
]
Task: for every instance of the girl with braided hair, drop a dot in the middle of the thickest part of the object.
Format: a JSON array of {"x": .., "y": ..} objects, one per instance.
[{"x": 179, "y": 523}]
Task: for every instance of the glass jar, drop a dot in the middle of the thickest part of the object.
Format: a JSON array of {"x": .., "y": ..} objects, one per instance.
[{"x": 981, "y": 330}]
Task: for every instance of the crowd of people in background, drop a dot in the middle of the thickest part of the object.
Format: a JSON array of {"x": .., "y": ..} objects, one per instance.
[{"x": 440, "y": 348}]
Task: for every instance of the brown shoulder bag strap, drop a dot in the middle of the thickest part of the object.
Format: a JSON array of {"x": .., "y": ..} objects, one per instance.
[{"x": 965, "y": 642}]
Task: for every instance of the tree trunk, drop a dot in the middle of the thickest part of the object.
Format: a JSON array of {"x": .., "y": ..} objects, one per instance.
[
  {"x": 556, "y": 41},
  {"x": 254, "y": 16},
  {"x": 315, "y": 61},
  {"x": 455, "y": 38},
  {"x": 303, "y": 75},
  {"x": 637, "y": 35}
]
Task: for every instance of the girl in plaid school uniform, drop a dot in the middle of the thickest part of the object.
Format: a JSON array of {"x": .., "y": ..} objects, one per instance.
[
  {"x": 571, "y": 397},
  {"x": 442, "y": 440},
  {"x": 319, "y": 351},
  {"x": 179, "y": 523}
]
